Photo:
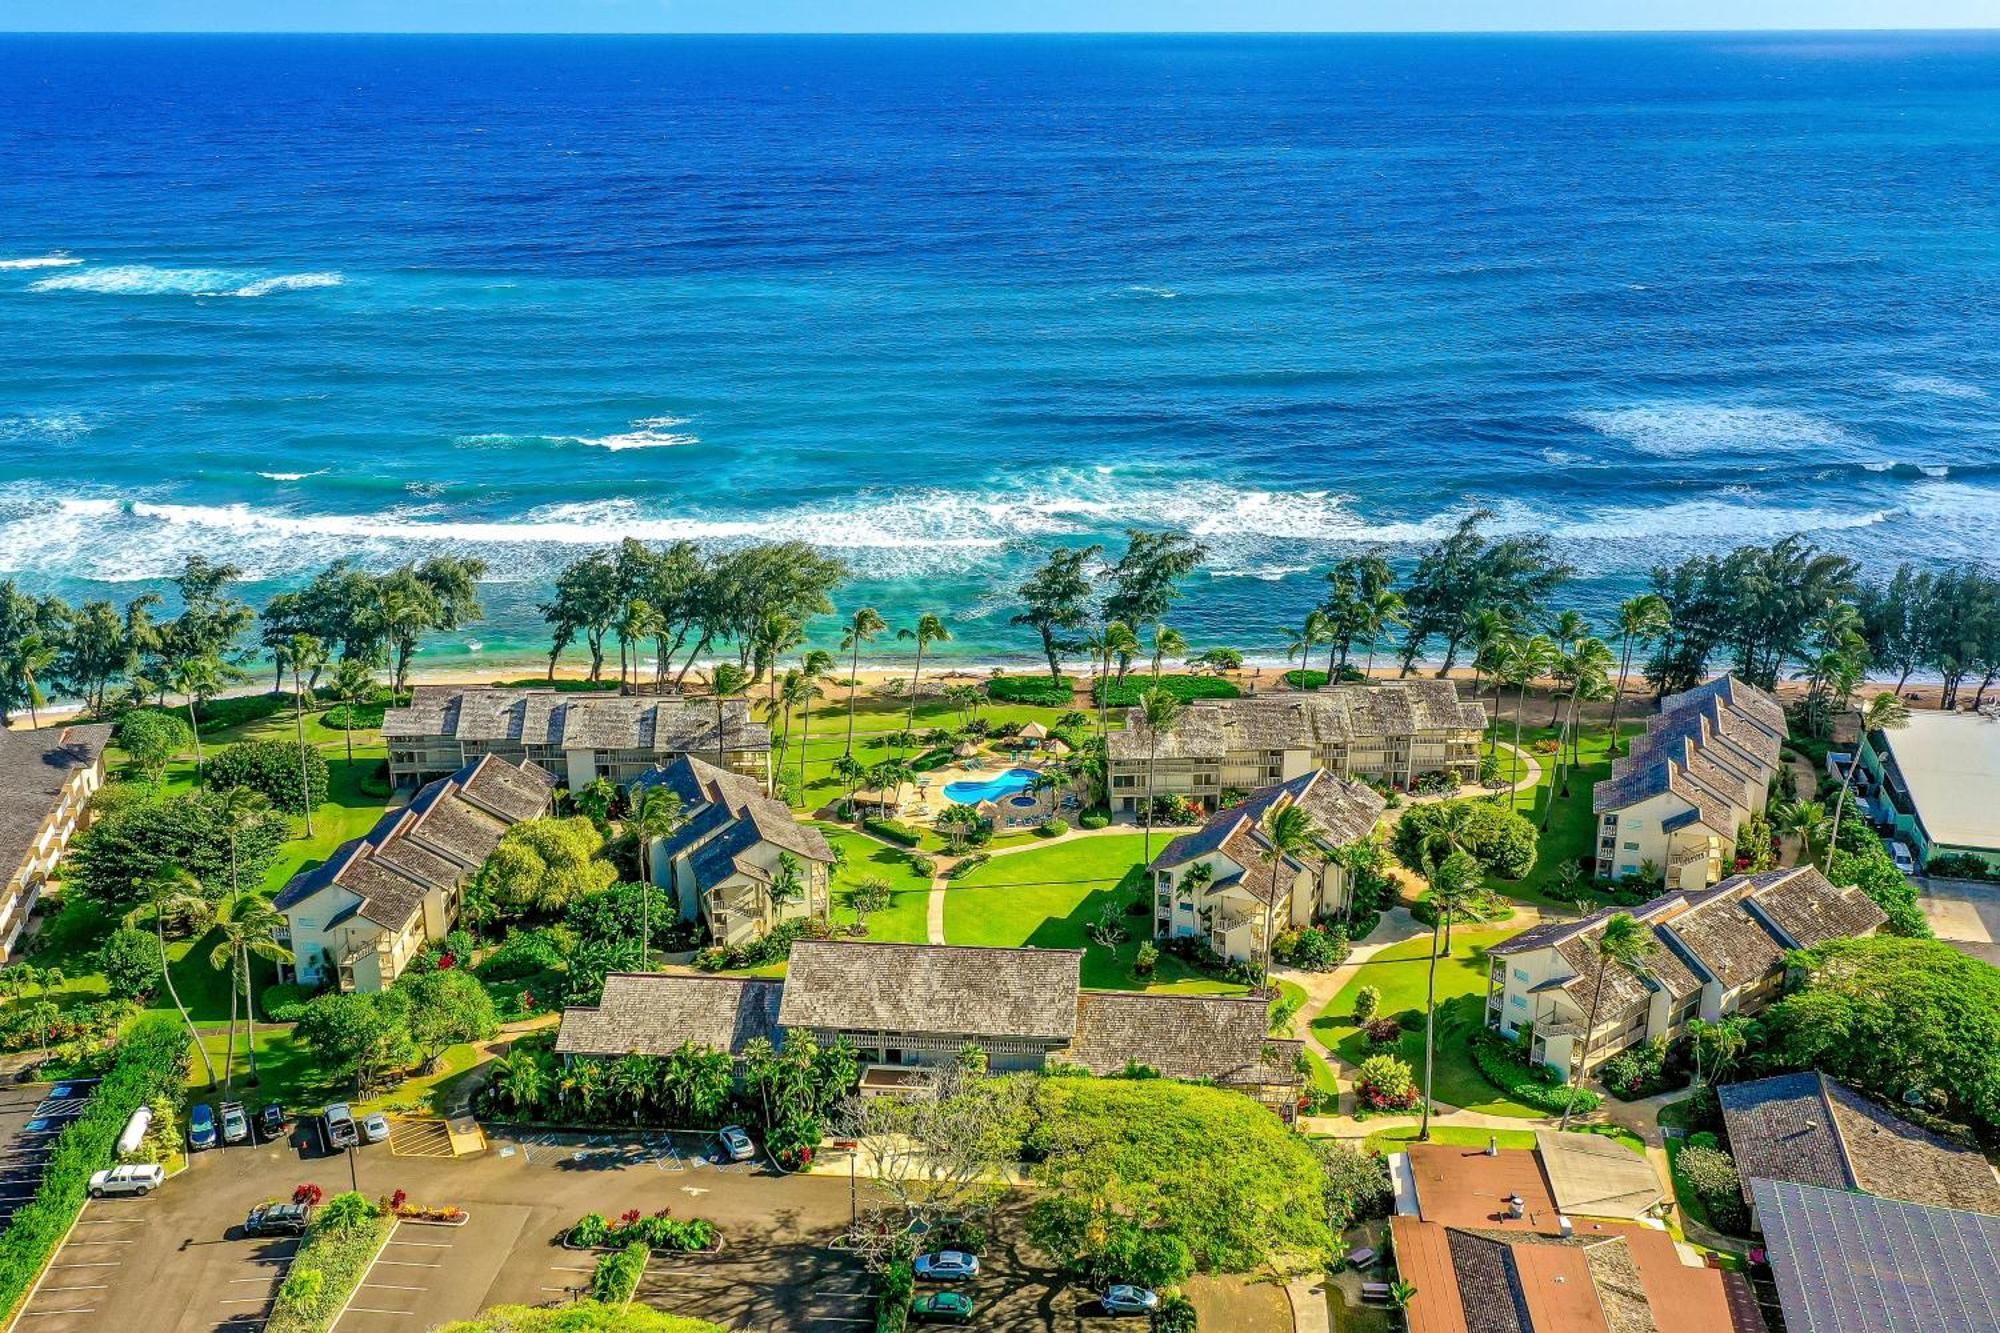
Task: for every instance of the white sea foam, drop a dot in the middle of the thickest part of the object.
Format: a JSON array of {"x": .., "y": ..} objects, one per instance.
[
  {"x": 52, "y": 425},
  {"x": 148, "y": 280},
  {"x": 644, "y": 433},
  {"x": 292, "y": 476},
  {"x": 1938, "y": 386},
  {"x": 39, "y": 261},
  {"x": 1675, "y": 430}
]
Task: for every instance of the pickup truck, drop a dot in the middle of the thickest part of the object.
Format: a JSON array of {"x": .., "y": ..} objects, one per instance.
[
  {"x": 140, "y": 1180},
  {"x": 340, "y": 1128}
]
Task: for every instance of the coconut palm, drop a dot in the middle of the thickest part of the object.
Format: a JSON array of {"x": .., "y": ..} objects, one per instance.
[
  {"x": 1290, "y": 834},
  {"x": 727, "y": 681},
  {"x": 850, "y": 771},
  {"x": 861, "y": 629},
  {"x": 1485, "y": 631},
  {"x": 1162, "y": 712},
  {"x": 353, "y": 681},
  {"x": 658, "y": 817},
  {"x": 175, "y": 889},
  {"x": 1622, "y": 943},
  {"x": 1453, "y": 881},
  {"x": 33, "y": 654},
  {"x": 1380, "y": 610},
  {"x": 1584, "y": 672},
  {"x": 1805, "y": 820},
  {"x": 1523, "y": 659},
  {"x": 929, "y": 630},
  {"x": 249, "y": 929},
  {"x": 196, "y": 677},
  {"x": 241, "y": 807},
  {"x": 1569, "y": 629},
  {"x": 1121, "y": 643},
  {"x": 1311, "y": 632},
  {"x": 1885, "y": 712},
  {"x": 812, "y": 669},
  {"x": 1167, "y": 642},
  {"x": 306, "y": 655},
  {"x": 1641, "y": 621}
]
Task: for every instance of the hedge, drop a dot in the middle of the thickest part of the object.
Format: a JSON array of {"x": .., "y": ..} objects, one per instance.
[
  {"x": 1125, "y": 693},
  {"x": 894, "y": 830},
  {"x": 894, "y": 1286},
  {"x": 1039, "y": 690},
  {"x": 273, "y": 768},
  {"x": 329, "y": 1265},
  {"x": 1711, "y": 1174},
  {"x": 561, "y": 685},
  {"x": 241, "y": 708},
  {"x": 1530, "y": 1086},
  {"x": 618, "y": 1273},
  {"x": 1314, "y": 679},
  {"x": 152, "y": 1058}
]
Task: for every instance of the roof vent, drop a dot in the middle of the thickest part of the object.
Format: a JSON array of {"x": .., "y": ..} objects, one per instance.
[
  {"x": 1492, "y": 1145},
  {"x": 1516, "y": 1208}
]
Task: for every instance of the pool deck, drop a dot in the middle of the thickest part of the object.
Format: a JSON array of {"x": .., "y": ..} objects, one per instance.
[{"x": 930, "y": 801}]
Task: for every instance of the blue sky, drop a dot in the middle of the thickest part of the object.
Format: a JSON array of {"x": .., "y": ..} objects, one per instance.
[{"x": 978, "y": 15}]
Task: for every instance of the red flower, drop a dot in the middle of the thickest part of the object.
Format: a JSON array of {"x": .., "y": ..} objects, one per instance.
[
  {"x": 628, "y": 1217},
  {"x": 397, "y": 1200},
  {"x": 447, "y": 962}
]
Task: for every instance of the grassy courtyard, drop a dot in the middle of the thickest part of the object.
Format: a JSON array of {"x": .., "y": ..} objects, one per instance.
[
  {"x": 903, "y": 920},
  {"x": 1401, "y": 973}
]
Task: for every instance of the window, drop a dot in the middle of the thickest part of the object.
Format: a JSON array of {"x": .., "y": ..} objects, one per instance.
[
  {"x": 1517, "y": 1002},
  {"x": 1519, "y": 975},
  {"x": 1631, "y": 846}
]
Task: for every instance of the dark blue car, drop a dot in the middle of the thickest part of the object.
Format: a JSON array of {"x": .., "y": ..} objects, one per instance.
[{"x": 201, "y": 1127}]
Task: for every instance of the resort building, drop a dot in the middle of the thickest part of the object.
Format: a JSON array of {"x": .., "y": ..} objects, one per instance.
[
  {"x": 46, "y": 780},
  {"x": 1812, "y": 1130},
  {"x": 1935, "y": 783},
  {"x": 576, "y": 737},
  {"x": 358, "y": 918},
  {"x": 1487, "y": 1246},
  {"x": 1715, "y": 951},
  {"x": 1845, "y": 1262},
  {"x": 1672, "y": 806},
  {"x": 1243, "y": 882},
  {"x": 727, "y": 864},
  {"x": 1390, "y": 731},
  {"x": 905, "y": 1006}
]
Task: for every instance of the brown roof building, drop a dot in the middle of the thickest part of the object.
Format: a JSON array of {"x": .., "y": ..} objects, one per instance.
[{"x": 46, "y": 780}]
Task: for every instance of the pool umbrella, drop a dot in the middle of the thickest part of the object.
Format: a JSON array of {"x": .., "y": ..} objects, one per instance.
[
  {"x": 966, "y": 749},
  {"x": 1035, "y": 731}
]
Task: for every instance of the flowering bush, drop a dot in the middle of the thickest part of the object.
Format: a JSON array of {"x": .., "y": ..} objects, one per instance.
[
  {"x": 1386, "y": 1084},
  {"x": 657, "y": 1232},
  {"x": 1383, "y": 1033},
  {"x": 308, "y": 1194}
]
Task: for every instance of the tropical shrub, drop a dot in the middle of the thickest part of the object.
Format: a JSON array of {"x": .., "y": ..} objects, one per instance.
[
  {"x": 1959, "y": 865},
  {"x": 1872, "y": 869},
  {"x": 656, "y": 1231},
  {"x": 1125, "y": 694},
  {"x": 1357, "y": 1184},
  {"x": 1366, "y": 1001},
  {"x": 131, "y": 840},
  {"x": 524, "y": 953},
  {"x": 1053, "y": 827},
  {"x": 284, "y": 1002},
  {"x": 1641, "y": 1070},
  {"x": 152, "y": 737},
  {"x": 130, "y": 962},
  {"x": 1315, "y": 948},
  {"x": 1437, "y": 782},
  {"x": 151, "y": 1060},
  {"x": 1383, "y": 1034},
  {"x": 1502, "y": 841},
  {"x": 340, "y": 1244},
  {"x": 272, "y": 767},
  {"x": 893, "y": 830},
  {"x": 1711, "y": 1174},
  {"x": 774, "y": 947},
  {"x": 1311, "y": 678},
  {"x": 618, "y": 1273},
  {"x": 1094, "y": 820},
  {"x": 1539, "y": 1086},
  {"x": 1385, "y": 1083},
  {"x": 1040, "y": 691},
  {"x": 45, "y": 1024},
  {"x": 1177, "y": 1315},
  {"x": 540, "y": 866}
]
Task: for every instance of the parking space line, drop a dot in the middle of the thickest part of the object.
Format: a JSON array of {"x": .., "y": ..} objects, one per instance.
[
  {"x": 390, "y": 1286},
  {"x": 37, "y": 1314},
  {"x": 425, "y": 1244},
  {"x": 245, "y": 1300},
  {"x": 109, "y": 1263},
  {"x": 88, "y": 1286},
  {"x": 406, "y": 1263},
  {"x": 369, "y": 1309}
]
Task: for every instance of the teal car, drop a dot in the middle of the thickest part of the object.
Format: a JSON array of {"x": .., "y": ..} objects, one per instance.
[{"x": 942, "y": 1307}]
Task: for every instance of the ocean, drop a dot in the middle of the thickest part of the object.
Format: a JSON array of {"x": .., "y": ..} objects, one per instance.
[{"x": 938, "y": 303}]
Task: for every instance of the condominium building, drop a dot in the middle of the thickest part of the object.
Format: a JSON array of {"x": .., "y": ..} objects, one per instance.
[
  {"x": 1671, "y": 808},
  {"x": 576, "y": 737},
  {"x": 1715, "y": 951},
  {"x": 46, "y": 780},
  {"x": 1391, "y": 731}
]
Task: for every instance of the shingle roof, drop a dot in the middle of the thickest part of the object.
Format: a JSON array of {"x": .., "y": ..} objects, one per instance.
[
  {"x": 1339, "y": 714},
  {"x": 35, "y": 766},
  {"x": 576, "y": 722},
  {"x": 434, "y": 842},
  {"x": 932, "y": 988},
  {"x": 1343, "y": 811},
  {"x": 1218, "y": 1037},
  {"x": 655, "y": 1013},
  {"x": 726, "y": 816},
  {"x": 1713, "y": 746},
  {"x": 1855, "y": 1263},
  {"x": 1812, "y": 1130}
]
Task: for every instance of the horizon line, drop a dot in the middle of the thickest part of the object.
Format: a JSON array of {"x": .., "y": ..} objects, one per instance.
[{"x": 990, "y": 32}]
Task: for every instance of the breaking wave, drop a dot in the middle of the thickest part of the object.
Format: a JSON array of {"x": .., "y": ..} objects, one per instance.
[
  {"x": 38, "y": 261},
  {"x": 644, "y": 433},
  {"x": 1669, "y": 430},
  {"x": 147, "y": 280}
]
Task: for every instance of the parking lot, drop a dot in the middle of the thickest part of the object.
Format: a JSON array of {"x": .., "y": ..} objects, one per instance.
[
  {"x": 31, "y": 1115},
  {"x": 177, "y": 1260}
]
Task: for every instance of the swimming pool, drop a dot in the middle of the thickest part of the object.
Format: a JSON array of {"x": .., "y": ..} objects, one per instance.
[{"x": 989, "y": 789}]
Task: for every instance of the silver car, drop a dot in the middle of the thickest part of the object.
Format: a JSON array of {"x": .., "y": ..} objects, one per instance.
[
  {"x": 1125, "y": 1299},
  {"x": 736, "y": 1142},
  {"x": 375, "y": 1129},
  {"x": 946, "y": 1266}
]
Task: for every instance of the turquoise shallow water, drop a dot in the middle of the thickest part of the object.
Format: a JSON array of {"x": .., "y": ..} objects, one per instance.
[{"x": 938, "y": 303}]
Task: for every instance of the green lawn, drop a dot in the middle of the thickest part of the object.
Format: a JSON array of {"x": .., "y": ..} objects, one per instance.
[
  {"x": 1051, "y": 895},
  {"x": 287, "y": 1075},
  {"x": 1400, "y": 972},
  {"x": 1571, "y": 828},
  {"x": 1386, "y": 1141},
  {"x": 903, "y": 921}
]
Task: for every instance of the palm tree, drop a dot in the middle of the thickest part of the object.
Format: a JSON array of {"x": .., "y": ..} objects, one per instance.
[
  {"x": 1313, "y": 631},
  {"x": 1569, "y": 628},
  {"x": 1524, "y": 658},
  {"x": 1805, "y": 820},
  {"x": 33, "y": 654},
  {"x": 659, "y": 815},
  {"x": 176, "y": 889},
  {"x": 241, "y": 807},
  {"x": 518, "y": 1076},
  {"x": 728, "y": 681},
  {"x": 850, "y": 771},
  {"x": 1622, "y": 943},
  {"x": 196, "y": 676},
  {"x": 812, "y": 668},
  {"x": 1452, "y": 883},
  {"x": 353, "y": 681},
  {"x": 1162, "y": 712},
  {"x": 1641, "y": 620},
  {"x": 929, "y": 630},
  {"x": 862, "y": 629},
  {"x": 1290, "y": 834},
  {"x": 1485, "y": 631},
  {"x": 250, "y": 928},
  {"x": 1585, "y": 668},
  {"x": 1885, "y": 712},
  {"x": 1379, "y": 610},
  {"x": 307, "y": 655},
  {"x": 1167, "y": 642},
  {"x": 1121, "y": 641}
]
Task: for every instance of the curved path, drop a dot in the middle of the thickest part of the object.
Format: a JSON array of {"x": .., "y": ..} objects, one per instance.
[{"x": 934, "y": 907}]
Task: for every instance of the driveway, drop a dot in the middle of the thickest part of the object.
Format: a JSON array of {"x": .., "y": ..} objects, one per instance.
[{"x": 1966, "y": 916}]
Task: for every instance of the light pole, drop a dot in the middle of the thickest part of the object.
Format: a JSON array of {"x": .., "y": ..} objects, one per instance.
[{"x": 353, "y": 1176}]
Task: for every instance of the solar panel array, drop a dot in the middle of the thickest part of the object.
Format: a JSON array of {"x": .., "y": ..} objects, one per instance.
[{"x": 1853, "y": 1263}]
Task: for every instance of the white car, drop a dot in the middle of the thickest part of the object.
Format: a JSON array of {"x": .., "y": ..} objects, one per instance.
[
  {"x": 140, "y": 1180},
  {"x": 375, "y": 1129},
  {"x": 736, "y": 1143},
  {"x": 1900, "y": 854}
]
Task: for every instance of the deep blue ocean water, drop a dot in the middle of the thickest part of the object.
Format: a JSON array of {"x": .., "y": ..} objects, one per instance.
[{"x": 936, "y": 303}]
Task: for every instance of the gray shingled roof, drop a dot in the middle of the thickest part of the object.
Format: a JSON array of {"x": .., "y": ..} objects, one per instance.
[
  {"x": 932, "y": 988},
  {"x": 1855, "y": 1263},
  {"x": 655, "y": 1013},
  {"x": 1339, "y": 714},
  {"x": 576, "y": 722},
  {"x": 1345, "y": 812},
  {"x": 1222, "y": 1038},
  {"x": 1813, "y": 1130},
  {"x": 34, "y": 768},
  {"x": 727, "y": 815}
]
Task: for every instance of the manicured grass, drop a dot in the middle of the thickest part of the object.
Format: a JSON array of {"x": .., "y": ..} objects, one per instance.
[
  {"x": 1051, "y": 895},
  {"x": 903, "y": 920},
  {"x": 1571, "y": 825},
  {"x": 288, "y": 1075},
  {"x": 1401, "y": 972},
  {"x": 1386, "y": 1141}
]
